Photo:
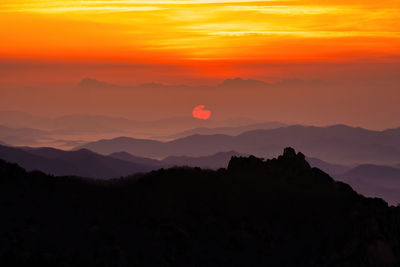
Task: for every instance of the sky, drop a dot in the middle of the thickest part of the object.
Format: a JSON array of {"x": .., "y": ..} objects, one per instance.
[
  {"x": 194, "y": 32},
  {"x": 200, "y": 42}
]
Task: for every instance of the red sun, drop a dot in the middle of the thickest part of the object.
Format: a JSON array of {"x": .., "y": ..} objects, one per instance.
[{"x": 200, "y": 113}]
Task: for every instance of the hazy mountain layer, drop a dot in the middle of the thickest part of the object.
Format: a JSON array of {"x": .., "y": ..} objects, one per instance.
[
  {"x": 227, "y": 130},
  {"x": 370, "y": 180},
  {"x": 338, "y": 144},
  {"x": 65, "y": 132},
  {"x": 376, "y": 181},
  {"x": 81, "y": 162}
]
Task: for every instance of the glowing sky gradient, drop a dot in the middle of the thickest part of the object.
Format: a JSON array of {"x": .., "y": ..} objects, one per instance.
[
  {"x": 199, "y": 30},
  {"x": 351, "y": 48}
]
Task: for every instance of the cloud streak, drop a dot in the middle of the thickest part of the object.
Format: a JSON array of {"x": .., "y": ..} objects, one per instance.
[{"x": 200, "y": 29}]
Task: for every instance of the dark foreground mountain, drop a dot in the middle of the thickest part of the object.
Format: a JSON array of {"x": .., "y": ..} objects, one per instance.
[{"x": 279, "y": 212}]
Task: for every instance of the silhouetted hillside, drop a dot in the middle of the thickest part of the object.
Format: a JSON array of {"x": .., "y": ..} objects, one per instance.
[
  {"x": 81, "y": 162},
  {"x": 340, "y": 144},
  {"x": 279, "y": 212}
]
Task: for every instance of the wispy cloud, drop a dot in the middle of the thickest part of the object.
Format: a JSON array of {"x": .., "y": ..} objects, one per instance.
[{"x": 190, "y": 29}]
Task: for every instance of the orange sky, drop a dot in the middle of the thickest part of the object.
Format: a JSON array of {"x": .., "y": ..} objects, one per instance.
[
  {"x": 173, "y": 31},
  {"x": 353, "y": 45}
]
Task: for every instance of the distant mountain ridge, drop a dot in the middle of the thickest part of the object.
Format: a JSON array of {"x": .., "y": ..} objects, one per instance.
[
  {"x": 218, "y": 160},
  {"x": 132, "y": 158},
  {"x": 89, "y": 164},
  {"x": 226, "y": 83},
  {"x": 21, "y": 136},
  {"x": 334, "y": 170},
  {"x": 82, "y": 162},
  {"x": 240, "y": 82},
  {"x": 215, "y": 161},
  {"x": 92, "y": 83},
  {"x": 371, "y": 180},
  {"x": 228, "y": 130},
  {"x": 87, "y": 123},
  {"x": 337, "y": 144},
  {"x": 375, "y": 180}
]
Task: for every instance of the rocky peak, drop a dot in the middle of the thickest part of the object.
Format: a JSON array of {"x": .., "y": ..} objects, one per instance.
[
  {"x": 288, "y": 160},
  {"x": 289, "y": 152}
]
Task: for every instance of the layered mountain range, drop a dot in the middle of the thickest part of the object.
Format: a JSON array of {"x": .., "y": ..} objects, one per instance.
[
  {"x": 337, "y": 144},
  {"x": 371, "y": 180}
]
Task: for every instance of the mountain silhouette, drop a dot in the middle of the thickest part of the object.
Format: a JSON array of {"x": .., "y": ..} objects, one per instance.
[
  {"x": 339, "y": 144},
  {"x": 80, "y": 163},
  {"x": 276, "y": 212}
]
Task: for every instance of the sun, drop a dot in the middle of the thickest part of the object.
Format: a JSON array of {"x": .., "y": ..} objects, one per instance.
[{"x": 200, "y": 113}]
